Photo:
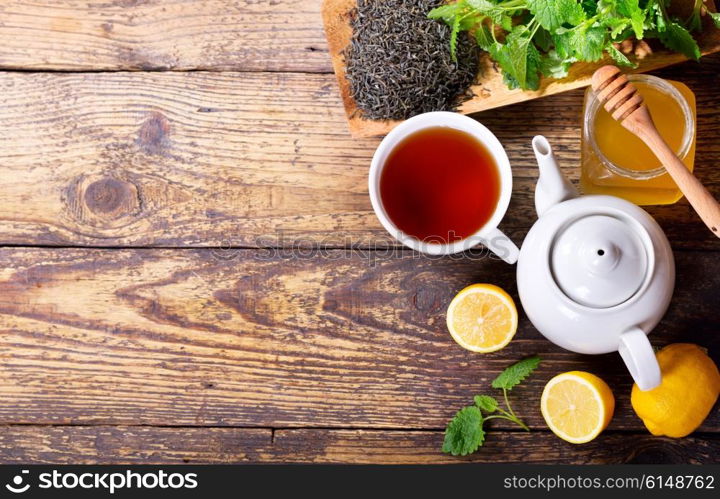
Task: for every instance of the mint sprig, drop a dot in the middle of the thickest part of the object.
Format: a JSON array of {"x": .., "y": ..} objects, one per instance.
[
  {"x": 486, "y": 403},
  {"x": 465, "y": 432},
  {"x": 716, "y": 18},
  {"x": 513, "y": 375},
  {"x": 533, "y": 38},
  {"x": 694, "y": 22}
]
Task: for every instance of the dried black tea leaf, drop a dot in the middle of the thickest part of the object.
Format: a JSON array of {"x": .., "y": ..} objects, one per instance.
[{"x": 399, "y": 64}]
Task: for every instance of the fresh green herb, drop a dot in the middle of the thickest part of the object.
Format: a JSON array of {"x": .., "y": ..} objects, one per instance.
[
  {"x": 620, "y": 58},
  {"x": 694, "y": 22},
  {"x": 465, "y": 433},
  {"x": 677, "y": 38},
  {"x": 486, "y": 403},
  {"x": 671, "y": 32},
  {"x": 513, "y": 375},
  {"x": 530, "y": 38}
]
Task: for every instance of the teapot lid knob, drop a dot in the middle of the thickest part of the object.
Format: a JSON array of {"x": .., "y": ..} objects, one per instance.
[{"x": 601, "y": 261}]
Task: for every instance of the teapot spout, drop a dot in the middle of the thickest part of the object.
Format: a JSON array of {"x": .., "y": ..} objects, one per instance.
[{"x": 552, "y": 187}]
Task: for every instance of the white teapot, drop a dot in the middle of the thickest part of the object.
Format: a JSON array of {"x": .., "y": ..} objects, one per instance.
[{"x": 595, "y": 273}]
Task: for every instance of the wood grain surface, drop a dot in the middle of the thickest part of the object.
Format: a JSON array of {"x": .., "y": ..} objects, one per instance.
[
  {"x": 192, "y": 445},
  {"x": 96, "y": 35},
  {"x": 248, "y": 159},
  {"x": 134, "y": 327},
  {"x": 491, "y": 91},
  {"x": 265, "y": 338}
]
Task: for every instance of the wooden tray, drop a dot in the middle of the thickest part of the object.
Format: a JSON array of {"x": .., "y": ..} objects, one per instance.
[{"x": 491, "y": 92}]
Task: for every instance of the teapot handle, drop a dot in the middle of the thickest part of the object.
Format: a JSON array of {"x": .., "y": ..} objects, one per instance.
[{"x": 639, "y": 357}]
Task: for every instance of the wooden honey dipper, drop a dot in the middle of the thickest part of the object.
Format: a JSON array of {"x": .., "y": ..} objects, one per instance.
[{"x": 622, "y": 100}]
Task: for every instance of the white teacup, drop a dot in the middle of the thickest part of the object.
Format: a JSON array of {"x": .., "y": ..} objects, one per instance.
[{"x": 488, "y": 235}]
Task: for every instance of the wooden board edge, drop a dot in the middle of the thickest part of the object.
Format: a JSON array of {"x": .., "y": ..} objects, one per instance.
[{"x": 335, "y": 14}]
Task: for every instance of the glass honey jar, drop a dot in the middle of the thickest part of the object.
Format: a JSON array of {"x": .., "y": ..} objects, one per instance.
[{"x": 616, "y": 162}]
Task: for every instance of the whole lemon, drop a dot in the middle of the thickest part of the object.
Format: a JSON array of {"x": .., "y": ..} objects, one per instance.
[{"x": 690, "y": 386}]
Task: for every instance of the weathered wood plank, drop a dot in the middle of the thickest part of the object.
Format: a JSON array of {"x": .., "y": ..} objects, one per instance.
[
  {"x": 182, "y": 445},
  {"x": 231, "y": 159},
  {"x": 239, "y": 35},
  {"x": 408, "y": 447},
  {"x": 252, "y": 338},
  {"x": 132, "y": 445},
  {"x": 177, "y": 158}
]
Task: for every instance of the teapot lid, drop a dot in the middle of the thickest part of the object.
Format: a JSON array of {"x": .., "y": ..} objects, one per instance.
[{"x": 601, "y": 261}]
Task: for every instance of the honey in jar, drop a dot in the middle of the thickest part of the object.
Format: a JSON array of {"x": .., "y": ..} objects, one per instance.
[{"x": 616, "y": 162}]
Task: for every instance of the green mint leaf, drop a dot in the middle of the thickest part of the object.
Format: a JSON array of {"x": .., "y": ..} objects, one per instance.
[
  {"x": 631, "y": 10},
  {"x": 543, "y": 40},
  {"x": 484, "y": 38},
  {"x": 532, "y": 75},
  {"x": 677, "y": 38},
  {"x": 447, "y": 13},
  {"x": 619, "y": 57},
  {"x": 500, "y": 53},
  {"x": 552, "y": 14},
  {"x": 588, "y": 44},
  {"x": 486, "y": 7},
  {"x": 655, "y": 16},
  {"x": 715, "y": 16},
  {"x": 590, "y": 7},
  {"x": 469, "y": 21},
  {"x": 513, "y": 375},
  {"x": 486, "y": 403},
  {"x": 464, "y": 433},
  {"x": 482, "y": 6},
  {"x": 617, "y": 26},
  {"x": 518, "y": 58},
  {"x": 506, "y": 22},
  {"x": 637, "y": 21},
  {"x": 453, "y": 38},
  {"x": 553, "y": 65},
  {"x": 563, "y": 45},
  {"x": 499, "y": 14},
  {"x": 509, "y": 81}
]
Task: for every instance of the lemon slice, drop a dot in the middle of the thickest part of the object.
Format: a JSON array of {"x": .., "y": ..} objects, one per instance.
[
  {"x": 577, "y": 406},
  {"x": 482, "y": 318}
]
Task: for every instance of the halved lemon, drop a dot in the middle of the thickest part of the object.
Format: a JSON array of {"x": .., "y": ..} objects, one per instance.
[
  {"x": 482, "y": 318},
  {"x": 577, "y": 406}
]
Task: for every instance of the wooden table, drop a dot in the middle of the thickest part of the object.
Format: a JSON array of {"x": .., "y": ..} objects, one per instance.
[{"x": 191, "y": 271}]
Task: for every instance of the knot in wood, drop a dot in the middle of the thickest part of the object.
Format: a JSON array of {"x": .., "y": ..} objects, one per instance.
[
  {"x": 153, "y": 134},
  {"x": 103, "y": 201},
  {"x": 110, "y": 197},
  {"x": 426, "y": 299}
]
